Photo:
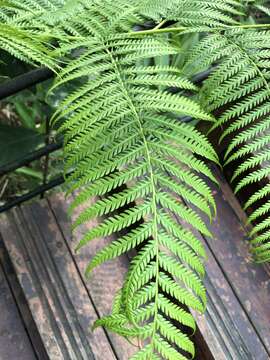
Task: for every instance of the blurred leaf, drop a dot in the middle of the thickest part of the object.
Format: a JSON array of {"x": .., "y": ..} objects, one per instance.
[
  {"x": 26, "y": 114},
  {"x": 16, "y": 142},
  {"x": 30, "y": 172}
]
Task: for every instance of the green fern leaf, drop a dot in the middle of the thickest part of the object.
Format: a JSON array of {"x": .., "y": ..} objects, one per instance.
[
  {"x": 120, "y": 130},
  {"x": 240, "y": 84}
]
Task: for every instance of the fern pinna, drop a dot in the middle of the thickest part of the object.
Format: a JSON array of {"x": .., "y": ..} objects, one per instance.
[
  {"x": 120, "y": 128},
  {"x": 240, "y": 86}
]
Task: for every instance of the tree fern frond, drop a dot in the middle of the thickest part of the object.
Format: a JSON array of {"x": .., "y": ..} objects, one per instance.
[
  {"x": 260, "y": 194},
  {"x": 175, "y": 312},
  {"x": 184, "y": 213},
  {"x": 170, "y": 287},
  {"x": 186, "y": 194},
  {"x": 173, "y": 228},
  {"x": 240, "y": 83},
  {"x": 164, "y": 348},
  {"x": 261, "y": 5},
  {"x": 170, "y": 332},
  {"x": 26, "y": 46},
  {"x": 120, "y": 128},
  {"x": 183, "y": 252},
  {"x": 121, "y": 246},
  {"x": 194, "y": 12}
]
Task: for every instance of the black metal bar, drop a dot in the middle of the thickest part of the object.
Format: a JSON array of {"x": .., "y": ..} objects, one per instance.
[
  {"x": 30, "y": 157},
  {"x": 24, "y": 81},
  {"x": 31, "y": 194},
  {"x": 47, "y": 156}
]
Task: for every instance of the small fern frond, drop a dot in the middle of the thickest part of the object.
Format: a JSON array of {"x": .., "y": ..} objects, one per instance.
[
  {"x": 261, "y": 5},
  {"x": 26, "y": 46}
]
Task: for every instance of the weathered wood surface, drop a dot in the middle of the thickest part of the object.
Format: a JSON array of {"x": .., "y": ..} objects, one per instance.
[
  {"x": 105, "y": 280},
  {"x": 21, "y": 303},
  {"x": 14, "y": 341},
  {"x": 59, "y": 302},
  {"x": 235, "y": 326}
]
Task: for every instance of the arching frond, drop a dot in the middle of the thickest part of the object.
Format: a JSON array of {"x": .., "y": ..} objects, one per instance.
[
  {"x": 120, "y": 128},
  {"x": 240, "y": 85}
]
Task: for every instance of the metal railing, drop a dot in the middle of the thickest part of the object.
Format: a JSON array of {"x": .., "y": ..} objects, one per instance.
[{"x": 12, "y": 87}]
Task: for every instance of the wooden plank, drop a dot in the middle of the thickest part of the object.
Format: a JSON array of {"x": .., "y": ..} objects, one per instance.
[
  {"x": 105, "y": 280},
  {"x": 21, "y": 303},
  {"x": 14, "y": 341},
  {"x": 56, "y": 295}
]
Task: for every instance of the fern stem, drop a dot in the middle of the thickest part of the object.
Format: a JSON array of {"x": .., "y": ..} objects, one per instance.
[
  {"x": 157, "y": 29},
  {"x": 250, "y": 26},
  {"x": 160, "y": 24}
]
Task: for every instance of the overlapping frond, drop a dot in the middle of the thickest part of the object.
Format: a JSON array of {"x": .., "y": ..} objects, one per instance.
[
  {"x": 239, "y": 87},
  {"x": 27, "y": 43},
  {"x": 26, "y": 46},
  {"x": 262, "y": 5},
  {"x": 120, "y": 129},
  {"x": 195, "y": 13},
  {"x": 15, "y": 11}
]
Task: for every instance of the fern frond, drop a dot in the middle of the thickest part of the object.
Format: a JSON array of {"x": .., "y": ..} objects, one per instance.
[
  {"x": 261, "y": 5},
  {"x": 240, "y": 85},
  {"x": 127, "y": 148},
  {"x": 120, "y": 129},
  {"x": 194, "y": 13},
  {"x": 26, "y": 45}
]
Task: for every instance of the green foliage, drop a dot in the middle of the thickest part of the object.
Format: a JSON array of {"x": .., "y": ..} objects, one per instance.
[
  {"x": 128, "y": 147},
  {"x": 23, "y": 33},
  {"x": 28, "y": 47},
  {"x": 239, "y": 86},
  {"x": 22, "y": 131},
  {"x": 120, "y": 129},
  {"x": 17, "y": 140},
  {"x": 194, "y": 13},
  {"x": 261, "y": 6}
]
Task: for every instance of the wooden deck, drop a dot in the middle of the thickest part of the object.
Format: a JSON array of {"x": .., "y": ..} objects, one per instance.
[
  {"x": 14, "y": 340},
  {"x": 47, "y": 305}
]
